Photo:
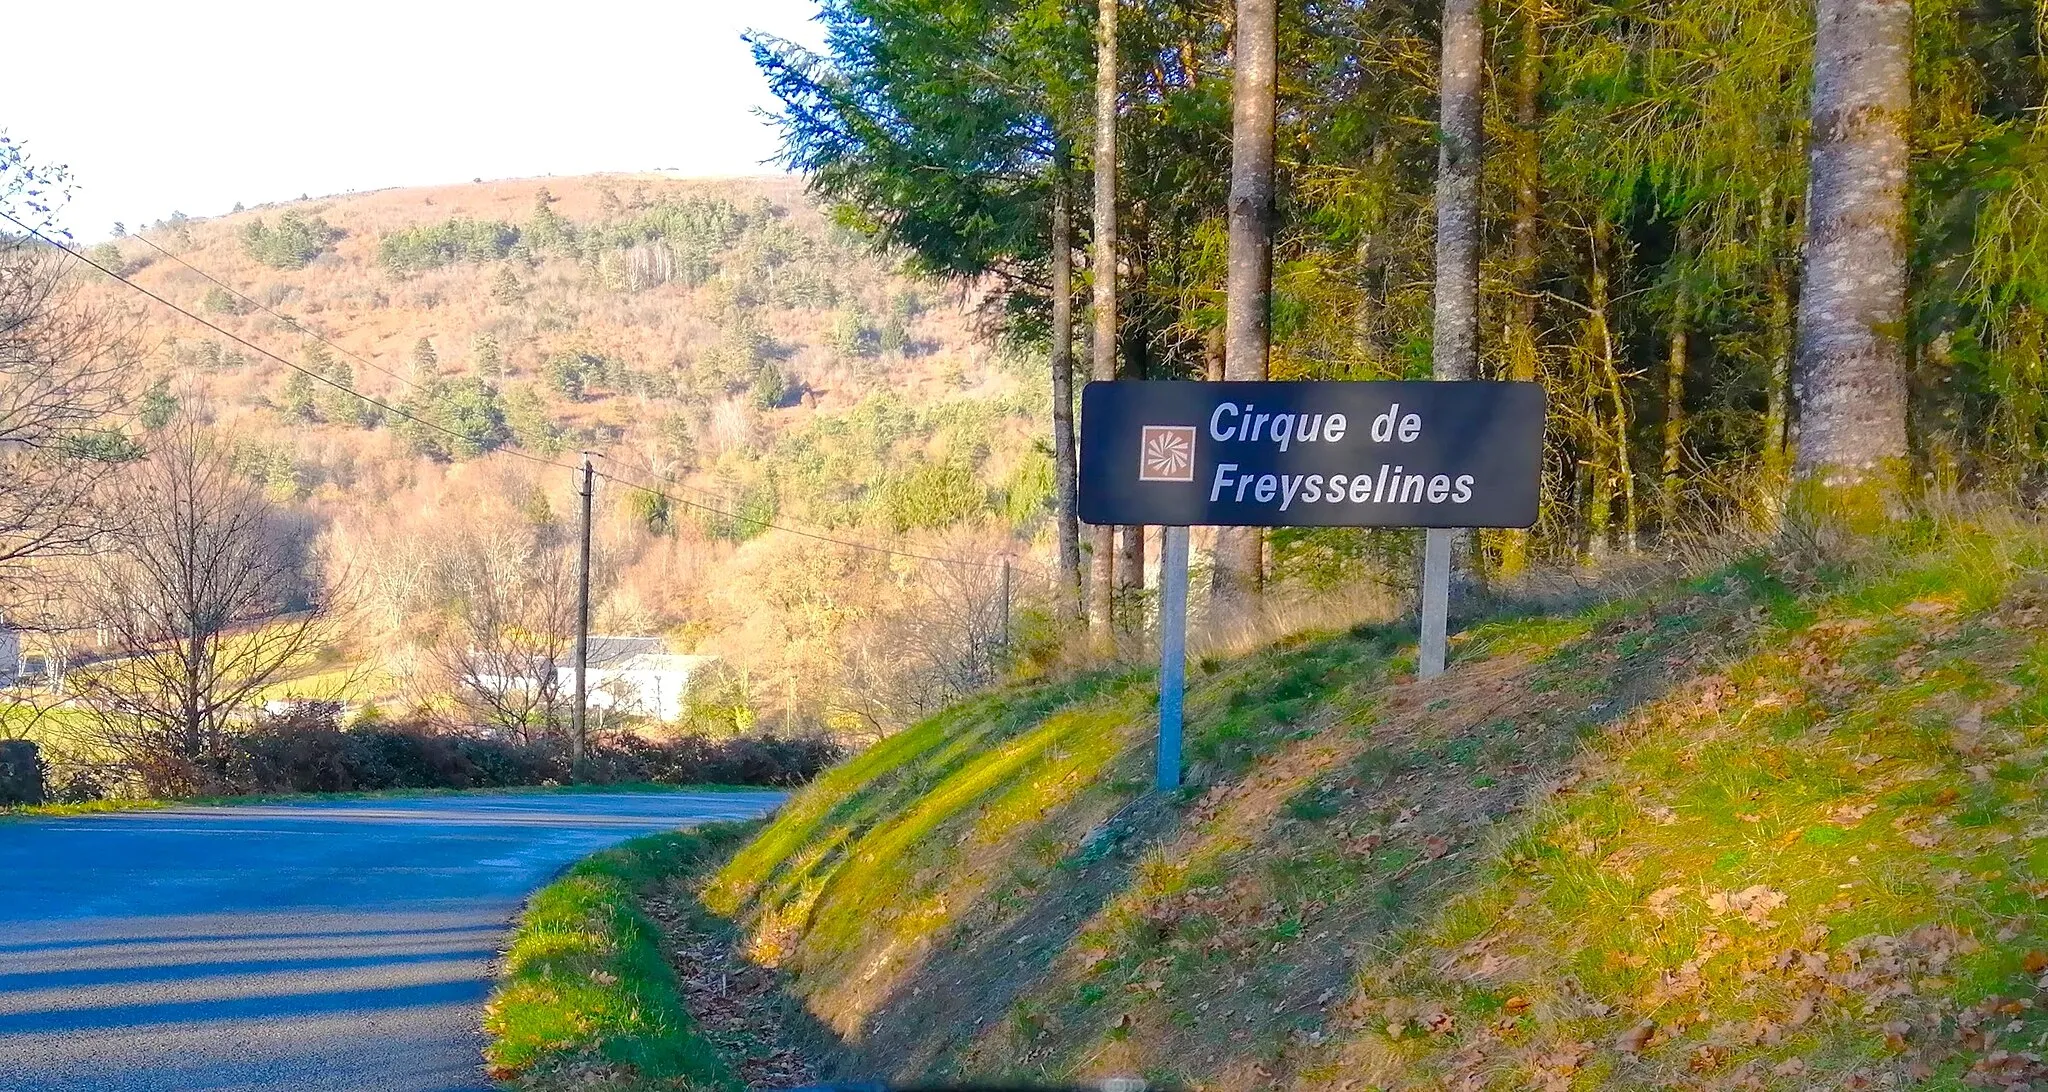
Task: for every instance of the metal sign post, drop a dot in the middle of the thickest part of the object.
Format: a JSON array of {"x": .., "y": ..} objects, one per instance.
[
  {"x": 1173, "y": 653},
  {"x": 1438, "y": 455},
  {"x": 1436, "y": 603}
]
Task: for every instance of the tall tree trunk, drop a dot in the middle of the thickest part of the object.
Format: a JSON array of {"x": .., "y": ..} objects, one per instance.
[
  {"x": 1130, "y": 584},
  {"x": 1135, "y": 364},
  {"x": 1599, "y": 490},
  {"x": 1671, "y": 464},
  {"x": 1065, "y": 476},
  {"x": 1365, "y": 319},
  {"x": 1526, "y": 164},
  {"x": 1455, "y": 341},
  {"x": 1777, "y": 452},
  {"x": 1677, "y": 355},
  {"x": 1369, "y": 325},
  {"x": 1248, "y": 291},
  {"x": 1850, "y": 358},
  {"x": 1621, "y": 467},
  {"x": 1102, "y": 267}
]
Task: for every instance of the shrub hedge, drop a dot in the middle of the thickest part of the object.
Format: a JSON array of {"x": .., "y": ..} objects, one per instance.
[{"x": 307, "y": 750}]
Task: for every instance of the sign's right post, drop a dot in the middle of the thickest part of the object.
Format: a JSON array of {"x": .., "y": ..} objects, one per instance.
[{"x": 1436, "y": 602}]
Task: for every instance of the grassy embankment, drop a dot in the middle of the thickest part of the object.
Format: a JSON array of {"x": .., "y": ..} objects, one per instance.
[
  {"x": 587, "y": 999},
  {"x": 1780, "y": 826}
]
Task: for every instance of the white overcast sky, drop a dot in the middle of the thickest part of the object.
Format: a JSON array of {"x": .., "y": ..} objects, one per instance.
[{"x": 193, "y": 105}]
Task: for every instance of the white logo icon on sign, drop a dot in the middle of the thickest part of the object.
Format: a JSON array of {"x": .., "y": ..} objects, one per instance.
[{"x": 1166, "y": 453}]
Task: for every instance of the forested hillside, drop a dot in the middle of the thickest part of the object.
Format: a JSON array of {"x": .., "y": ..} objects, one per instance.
[
  {"x": 1608, "y": 198},
  {"x": 722, "y": 343},
  {"x": 1781, "y": 270}
]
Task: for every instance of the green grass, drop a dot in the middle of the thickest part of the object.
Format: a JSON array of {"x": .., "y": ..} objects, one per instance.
[
  {"x": 1827, "y": 771},
  {"x": 342, "y": 682},
  {"x": 1664, "y": 809},
  {"x": 89, "y": 807},
  {"x": 587, "y": 999}
]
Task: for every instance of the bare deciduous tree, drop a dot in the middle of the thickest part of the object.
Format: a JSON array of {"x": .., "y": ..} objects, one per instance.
[
  {"x": 201, "y": 594},
  {"x": 62, "y": 371},
  {"x": 513, "y": 597}
]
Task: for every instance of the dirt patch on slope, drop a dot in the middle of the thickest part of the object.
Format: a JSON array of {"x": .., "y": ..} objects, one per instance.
[{"x": 742, "y": 1007}]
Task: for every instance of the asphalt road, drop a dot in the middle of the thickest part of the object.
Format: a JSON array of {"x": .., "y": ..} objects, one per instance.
[{"x": 331, "y": 945}]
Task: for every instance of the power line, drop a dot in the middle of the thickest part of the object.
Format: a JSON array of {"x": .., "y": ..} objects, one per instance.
[
  {"x": 296, "y": 325},
  {"x": 423, "y": 422},
  {"x": 288, "y": 320},
  {"x": 806, "y": 531},
  {"x": 615, "y": 479},
  {"x": 253, "y": 347}
]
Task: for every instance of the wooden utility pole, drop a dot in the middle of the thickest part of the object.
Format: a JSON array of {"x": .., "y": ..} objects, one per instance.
[
  {"x": 577, "y": 737},
  {"x": 1006, "y": 607}
]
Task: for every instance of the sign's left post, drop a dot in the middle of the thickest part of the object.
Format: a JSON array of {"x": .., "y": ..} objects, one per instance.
[{"x": 1173, "y": 653}]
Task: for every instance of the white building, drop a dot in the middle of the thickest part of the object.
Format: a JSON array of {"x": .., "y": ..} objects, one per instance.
[
  {"x": 31, "y": 659},
  {"x": 636, "y": 676}
]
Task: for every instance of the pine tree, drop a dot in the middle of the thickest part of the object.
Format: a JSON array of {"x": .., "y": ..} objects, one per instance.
[
  {"x": 526, "y": 416},
  {"x": 298, "y": 397},
  {"x": 425, "y": 362},
  {"x": 1525, "y": 165},
  {"x": 489, "y": 362},
  {"x": 220, "y": 301},
  {"x": 892, "y": 337},
  {"x": 315, "y": 357},
  {"x": 339, "y": 405},
  {"x": 566, "y": 372},
  {"x": 545, "y": 230},
  {"x": 849, "y": 336},
  {"x": 505, "y": 290},
  {"x": 158, "y": 405}
]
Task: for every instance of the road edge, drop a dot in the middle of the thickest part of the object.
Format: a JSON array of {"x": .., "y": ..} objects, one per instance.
[
  {"x": 585, "y": 988},
  {"x": 117, "y": 806}
]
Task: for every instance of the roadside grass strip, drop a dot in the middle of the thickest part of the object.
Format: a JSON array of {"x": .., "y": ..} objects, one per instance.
[
  {"x": 144, "y": 803},
  {"x": 586, "y": 999}
]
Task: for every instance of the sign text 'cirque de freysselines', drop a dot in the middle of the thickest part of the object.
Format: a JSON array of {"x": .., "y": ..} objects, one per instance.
[{"x": 1311, "y": 454}]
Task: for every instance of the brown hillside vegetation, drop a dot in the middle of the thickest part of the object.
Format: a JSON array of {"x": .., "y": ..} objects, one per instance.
[
  {"x": 1776, "y": 827},
  {"x": 346, "y": 295},
  {"x": 721, "y": 341}
]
